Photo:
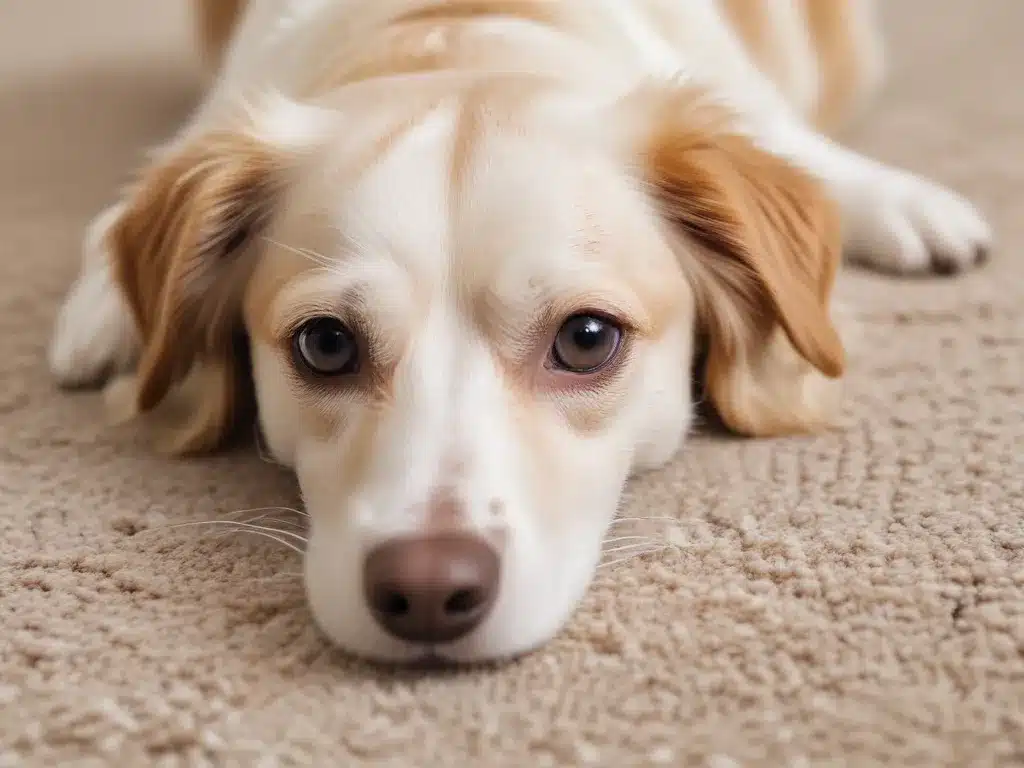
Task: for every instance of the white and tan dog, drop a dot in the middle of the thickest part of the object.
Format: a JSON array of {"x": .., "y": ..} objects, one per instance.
[{"x": 463, "y": 255}]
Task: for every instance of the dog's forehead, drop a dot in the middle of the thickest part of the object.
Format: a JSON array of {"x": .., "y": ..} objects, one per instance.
[
  {"x": 448, "y": 205},
  {"x": 449, "y": 195}
]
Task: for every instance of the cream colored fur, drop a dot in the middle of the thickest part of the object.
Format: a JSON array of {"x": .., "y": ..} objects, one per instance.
[{"x": 454, "y": 179}]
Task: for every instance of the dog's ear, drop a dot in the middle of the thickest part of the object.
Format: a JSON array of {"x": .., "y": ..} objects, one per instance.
[
  {"x": 760, "y": 242},
  {"x": 181, "y": 253}
]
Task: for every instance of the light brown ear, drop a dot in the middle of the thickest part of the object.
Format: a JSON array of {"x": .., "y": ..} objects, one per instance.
[
  {"x": 761, "y": 244},
  {"x": 179, "y": 253}
]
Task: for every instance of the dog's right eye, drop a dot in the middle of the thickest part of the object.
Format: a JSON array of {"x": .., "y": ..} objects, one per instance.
[
  {"x": 585, "y": 343},
  {"x": 326, "y": 347}
]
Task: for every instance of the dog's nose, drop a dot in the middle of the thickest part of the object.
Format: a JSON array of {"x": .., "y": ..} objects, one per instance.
[{"x": 431, "y": 589}]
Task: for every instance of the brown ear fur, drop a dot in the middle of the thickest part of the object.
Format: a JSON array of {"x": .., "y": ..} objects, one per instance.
[
  {"x": 178, "y": 254},
  {"x": 761, "y": 245}
]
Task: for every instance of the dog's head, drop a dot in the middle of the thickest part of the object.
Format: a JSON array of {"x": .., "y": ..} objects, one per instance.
[{"x": 468, "y": 317}]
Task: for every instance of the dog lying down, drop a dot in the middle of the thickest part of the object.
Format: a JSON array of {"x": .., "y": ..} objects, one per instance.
[{"x": 460, "y": 255}]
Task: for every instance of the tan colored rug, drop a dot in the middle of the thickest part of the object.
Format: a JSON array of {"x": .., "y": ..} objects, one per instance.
[{"x": 852, "y": 600}]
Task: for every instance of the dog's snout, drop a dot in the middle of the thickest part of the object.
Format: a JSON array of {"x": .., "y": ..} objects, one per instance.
[{"x": 432, "y": 589}]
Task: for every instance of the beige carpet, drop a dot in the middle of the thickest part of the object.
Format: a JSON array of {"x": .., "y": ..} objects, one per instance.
[{"x": 856, "y": 599}]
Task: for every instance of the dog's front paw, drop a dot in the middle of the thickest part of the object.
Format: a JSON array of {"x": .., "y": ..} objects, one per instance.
[
  {"x": 94, "y": 335},
  {"x": 899, "y": 222}
]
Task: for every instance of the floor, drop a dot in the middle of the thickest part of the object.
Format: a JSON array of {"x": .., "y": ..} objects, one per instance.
[{"x": 852, "y": 599}]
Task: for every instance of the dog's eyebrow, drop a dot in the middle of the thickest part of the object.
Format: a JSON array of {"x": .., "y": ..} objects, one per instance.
[
  {"x": 337, "y": 293},
  {"x": 368, "y": 239}
]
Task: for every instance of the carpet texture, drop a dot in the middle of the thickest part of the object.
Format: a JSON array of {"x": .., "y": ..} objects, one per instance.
[{"x": 850, "y": 600}]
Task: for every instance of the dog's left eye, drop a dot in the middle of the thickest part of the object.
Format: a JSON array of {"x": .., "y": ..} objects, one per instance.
[
  {"x": 585, "y": 343},
  {"x": 326, "y": 347}
]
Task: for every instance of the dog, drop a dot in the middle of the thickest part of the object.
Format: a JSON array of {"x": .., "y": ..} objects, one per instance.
[{"x": 459, "y": 259}]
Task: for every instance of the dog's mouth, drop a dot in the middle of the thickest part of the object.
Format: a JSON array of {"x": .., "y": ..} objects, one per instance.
[{"x": 433, "y": 660}]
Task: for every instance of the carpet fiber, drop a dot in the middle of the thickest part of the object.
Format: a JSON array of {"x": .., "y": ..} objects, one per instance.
[{"x": 853, "y": 599}]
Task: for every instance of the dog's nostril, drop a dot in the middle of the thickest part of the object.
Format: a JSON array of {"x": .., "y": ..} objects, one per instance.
[
  {"x": 392, "y": 603},
  {"x": 464, "y": 601}
]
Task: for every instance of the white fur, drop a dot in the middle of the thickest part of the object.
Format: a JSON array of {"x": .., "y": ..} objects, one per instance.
[
  {"x": 450, "y": 403},
  {"x": 94, "y": 334},
  {"x": 556, "y": 490}
]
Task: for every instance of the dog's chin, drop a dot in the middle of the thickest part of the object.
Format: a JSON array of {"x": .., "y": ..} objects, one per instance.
[
  {"x": 507, "y": 639},
  {"x": 466, "y": 652},
  {"x": 474, "y": 650},
  {"x": 438, "y": 658}
]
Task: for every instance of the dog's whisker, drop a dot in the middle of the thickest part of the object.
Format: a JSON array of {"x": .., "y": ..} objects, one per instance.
[
  {"x": 240, "y": 526},
  {"x": 281, "y": 520},
  {"x": 618, "y": 539},
  {"x": 317, "y": 258},
  {"x": 269, "y": 509},
  {"x": 635, "y": 544},
  {"x": 237, "y": 530},
  {"x": 623, "y": 561},
  {"x": 278, "y": 520},
  {"x": 232, "y": 531},
  {"x": 266, "y": 535},
  {"x": 633, "y": 556},
  {"x": 653, "y": 518},
  {"x": 626, "y": 559},
  {"x": 626, "y": 547},
  {"x": 293, "y": 249},
  {"x": 638, "y": 548}
]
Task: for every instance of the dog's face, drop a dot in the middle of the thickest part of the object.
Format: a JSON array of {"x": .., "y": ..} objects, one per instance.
[{"x": 468, "y": 323}]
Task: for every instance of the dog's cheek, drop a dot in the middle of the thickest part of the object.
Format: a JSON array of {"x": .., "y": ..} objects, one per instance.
[
  {"x": 278, "y": 409},
  {"x": 333, "y": 570},
  {"x": 556, "y": 525},
  {"x": 662, "y": 402}
]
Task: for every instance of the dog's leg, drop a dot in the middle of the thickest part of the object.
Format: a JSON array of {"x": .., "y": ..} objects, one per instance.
[
  {"x": 216, "y": 22},
  {"x": 846, "y": 37},
  {"x": 95, "y": 334},
  {"x": 775, "y": 36},
  {"x": 894, "y": 220}
]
